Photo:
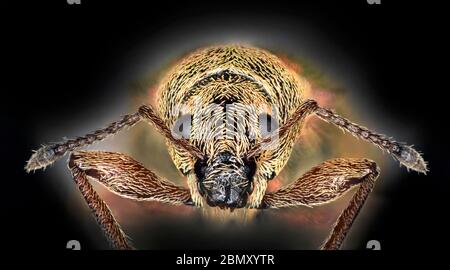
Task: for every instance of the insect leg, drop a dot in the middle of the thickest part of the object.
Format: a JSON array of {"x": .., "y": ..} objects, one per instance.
[
  {"x": 101, "y": 211},
  {"x": 325, "y": 183},
  {"x": 125, "y": 177}
]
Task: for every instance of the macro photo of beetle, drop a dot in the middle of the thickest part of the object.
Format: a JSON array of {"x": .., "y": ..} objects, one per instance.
[{"x": 230, "y": 115}]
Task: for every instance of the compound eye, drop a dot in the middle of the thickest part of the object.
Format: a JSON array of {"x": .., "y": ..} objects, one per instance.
[
  {"x": 267, "y": 124},
  {"x": 182, "y": 127}
]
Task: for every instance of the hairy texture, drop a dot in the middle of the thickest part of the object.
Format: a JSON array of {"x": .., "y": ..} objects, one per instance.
[
  {"x": 101, "y": 211},
  {"x": 197, "y": 198},
  {"x": 128, "y": 178},
  {"x": 259, "y": 190},
  {"x": 322, "y": 184},
  {"x": 147, "y": 112},
  {"x": 229, "y": 97},
  {"x": 299, "y": 115},
  {"x": 125, "y": 177},
  {"x": 348, "y": 216},
  {"x": 255, "y": 82},
  {"x": 325, "y": 183}
]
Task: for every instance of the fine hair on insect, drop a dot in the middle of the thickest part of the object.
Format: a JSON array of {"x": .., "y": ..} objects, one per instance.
[{"x": 230, "y": 116}]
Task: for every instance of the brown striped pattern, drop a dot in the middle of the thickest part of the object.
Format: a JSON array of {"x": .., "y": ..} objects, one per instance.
[
  {"x": 325, "y": 183},
  {"x": 125, "y": 177}
]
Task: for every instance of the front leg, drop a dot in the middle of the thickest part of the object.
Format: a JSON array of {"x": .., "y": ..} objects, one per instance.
[
  {"x": 101, "y": 211},
  {"x": 325, "y": 183},
  {"x": 125, "y": 177}
]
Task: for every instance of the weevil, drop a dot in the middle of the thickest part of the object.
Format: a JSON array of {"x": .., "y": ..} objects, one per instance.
[{"x": 230, "y": 115}]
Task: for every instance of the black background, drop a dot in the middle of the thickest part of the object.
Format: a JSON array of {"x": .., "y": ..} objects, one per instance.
[{"x": 54, "y": 54}]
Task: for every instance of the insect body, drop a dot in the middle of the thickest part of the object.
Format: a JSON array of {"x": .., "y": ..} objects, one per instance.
[
  {"x": 230, "y": 94},
  {"x": 230, "y": 115}
]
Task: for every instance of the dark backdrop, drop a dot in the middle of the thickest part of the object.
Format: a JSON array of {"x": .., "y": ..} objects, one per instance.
[{"x": 54, "y": 55}]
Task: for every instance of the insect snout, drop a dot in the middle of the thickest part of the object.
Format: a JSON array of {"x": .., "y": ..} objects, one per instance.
[{"x": 225, "y": 180}]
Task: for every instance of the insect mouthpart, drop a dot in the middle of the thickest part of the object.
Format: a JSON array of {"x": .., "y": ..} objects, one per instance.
[{"x": 225, "y": 181}]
